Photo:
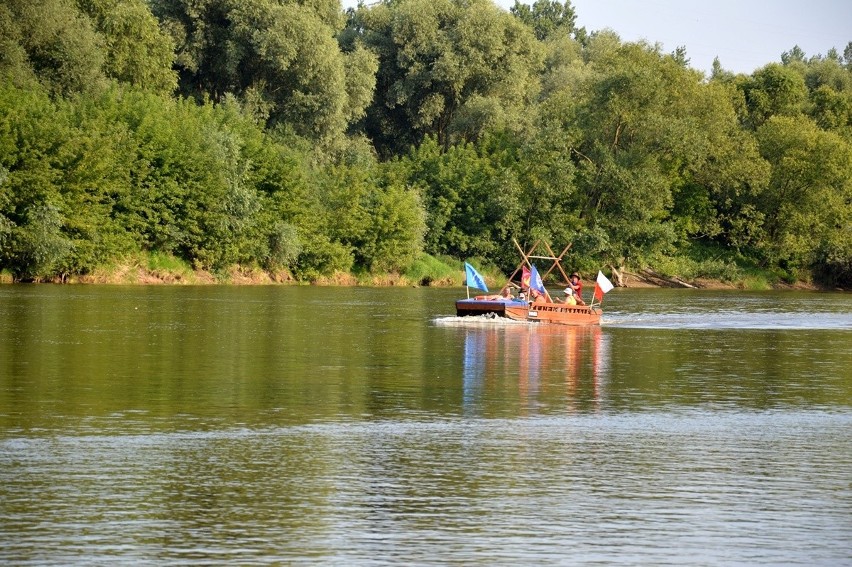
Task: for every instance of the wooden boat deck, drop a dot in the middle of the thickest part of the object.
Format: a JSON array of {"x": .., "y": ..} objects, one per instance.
[{"x": 559, "y": 313}]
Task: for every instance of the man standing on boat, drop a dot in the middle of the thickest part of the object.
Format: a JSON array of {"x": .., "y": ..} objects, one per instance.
[{"x": 576, "y": 286}]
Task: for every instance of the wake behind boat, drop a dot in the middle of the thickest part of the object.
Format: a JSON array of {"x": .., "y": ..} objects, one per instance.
[{"x": 534, "y": 304}]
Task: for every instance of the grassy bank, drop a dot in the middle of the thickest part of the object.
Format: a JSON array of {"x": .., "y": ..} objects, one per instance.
[{"x": 699, "y": 270}]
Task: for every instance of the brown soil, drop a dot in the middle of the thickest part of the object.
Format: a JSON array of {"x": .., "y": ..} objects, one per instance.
[{"x": 238, "y": 275}]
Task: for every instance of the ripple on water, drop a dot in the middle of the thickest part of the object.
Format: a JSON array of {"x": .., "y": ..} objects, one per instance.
[{"x": 663, "y": 488}]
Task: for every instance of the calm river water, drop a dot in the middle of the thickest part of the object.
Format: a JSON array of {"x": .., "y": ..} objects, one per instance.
[{"x": 305, "y": 425}]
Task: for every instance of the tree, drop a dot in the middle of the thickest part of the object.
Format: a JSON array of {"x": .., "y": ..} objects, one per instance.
[
  {"x": 438, "y": 58},
  {"x": 795, "y": 55},
  {"x": 564, "y": 67},
  {"x": 773, "y": 90},
  {"x": 136, "y": 51},
  {"x": 280, "y": 57},
  {"x": 464, "y": 195},
  {"x": 57, "y": 43},
  {"x": 397, "y": 227},
  {"x": 831, "y": 110},
  {"x": 637, "y": 136},
  {"x": 808, "y": 200},
  {"x": 546, "y": 17},
  {"x": 33, "y": 136},
  {"x": 679, "y": 55},
  {"x": 827, "y": 72}
]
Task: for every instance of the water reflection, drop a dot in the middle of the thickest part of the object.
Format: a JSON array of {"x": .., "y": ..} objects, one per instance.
[
  {"x": 541, "y": 366},
  {"x": 221, "y": 425}
]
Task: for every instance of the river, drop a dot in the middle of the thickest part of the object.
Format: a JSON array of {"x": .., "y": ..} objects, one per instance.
[{"x": 317, "y": 425}]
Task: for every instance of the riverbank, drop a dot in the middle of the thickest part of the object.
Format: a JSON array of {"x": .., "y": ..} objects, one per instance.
[{"x": 239, "y": 275}]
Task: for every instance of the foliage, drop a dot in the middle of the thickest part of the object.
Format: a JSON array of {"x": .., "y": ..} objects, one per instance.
[
  {"x": 807, "y": 203},
  {"x": 53, "y": 42},
  {"x": 136, "y": 51},
  {"x": 465, "y": 196},
  {"x": 403, "y": 137},
  {"x": 774, "y": 90},
  {"x": 438, "y": 60},
  {"x": 427, "y": 269},
  {"x": 546, "y": 17},
  {"x": 279, "y": 57}
]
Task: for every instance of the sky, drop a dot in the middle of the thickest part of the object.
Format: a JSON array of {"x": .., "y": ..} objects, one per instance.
[{"x": 744, "y": 34}]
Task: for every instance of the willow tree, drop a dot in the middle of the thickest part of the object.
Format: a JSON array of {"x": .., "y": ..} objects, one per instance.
[
  {"x": 546, "y": 17},
  {"x": 279, "y": 57},
  {"x": 135, "y": 50},
  {"x": 773, "y": 90},
  {"x": 808, "y": 202},
  {"x": 650, "y": 140},
  {"x": 53, "y": 42},
  {"x": 447, "y": 68}
]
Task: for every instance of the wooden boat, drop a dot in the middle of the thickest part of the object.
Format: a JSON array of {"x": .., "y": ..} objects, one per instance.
[
  {"x": 538, "y": 312},
  {"x": 543, "y": 310}
]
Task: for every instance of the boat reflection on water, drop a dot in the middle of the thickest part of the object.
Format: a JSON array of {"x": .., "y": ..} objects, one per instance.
[{"x": 546, "y": 367}]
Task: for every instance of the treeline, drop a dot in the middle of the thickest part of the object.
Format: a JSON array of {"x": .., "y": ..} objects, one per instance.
[{"x": 296, "y": 137}]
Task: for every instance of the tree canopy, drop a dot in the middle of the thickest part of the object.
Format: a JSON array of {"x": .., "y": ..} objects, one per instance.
[{"x": 293, "y": 136}]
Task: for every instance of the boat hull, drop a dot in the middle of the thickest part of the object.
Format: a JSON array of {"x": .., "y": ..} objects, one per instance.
[{"x": 554, "y": 313}]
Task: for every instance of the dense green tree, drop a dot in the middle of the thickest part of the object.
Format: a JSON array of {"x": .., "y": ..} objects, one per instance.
[
  {"x": 464, "y": 195},
  {"x": 136, "y": 51},
  {"x": 397, "y": 227},
  {"x": 494, "y": 126},
  {"x": 564, "y": 68},
  {"x": 827, "y": 72},
  {"x": 380, "y": 224},
  {"x": 773, "y": 90},
  {"x": 55, "y": 194},
  {"x": 53, "y": 41},
  {"x": 14, "y": 66},
  {"x": 795, "y": 55},
  {"x": 547, "y": 204},
  {"x": 717, "y": 73},
  {"x": 808, "y": 200},
  {"x": 636, "y": 132},
  {"x": 546, "y": 17},
  {"x": 32, "y": 130},
  {"x": 280, "y": 57},
  {"x": 442, "y": 60},
  {"x": 832, "y": 110}
]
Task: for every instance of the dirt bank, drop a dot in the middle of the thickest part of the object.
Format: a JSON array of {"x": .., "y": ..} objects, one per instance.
[{"x": 238, "y": 275}]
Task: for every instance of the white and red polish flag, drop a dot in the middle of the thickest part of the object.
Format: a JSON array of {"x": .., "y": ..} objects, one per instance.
[{"x": 602, "y": 286}]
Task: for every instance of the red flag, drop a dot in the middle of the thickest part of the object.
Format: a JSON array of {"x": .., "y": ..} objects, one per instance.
[
  {"x": 602, "y": 286},
  {"x": 525, "y": 278}
]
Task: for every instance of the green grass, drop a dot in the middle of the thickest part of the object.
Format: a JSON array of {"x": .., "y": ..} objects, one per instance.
[
  {"x": 162, "y": 263},
  {"x": 428, "y": 270},
  {"x": 755, "y": 282},
  {"x": 705, "y": 261},
  {"x": 712, "y": 262}
]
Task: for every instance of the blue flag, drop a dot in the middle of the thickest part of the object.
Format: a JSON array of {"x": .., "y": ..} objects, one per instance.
[
  {"x": 474, "y": 279},
  {"x": 535, "y": 281}
]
